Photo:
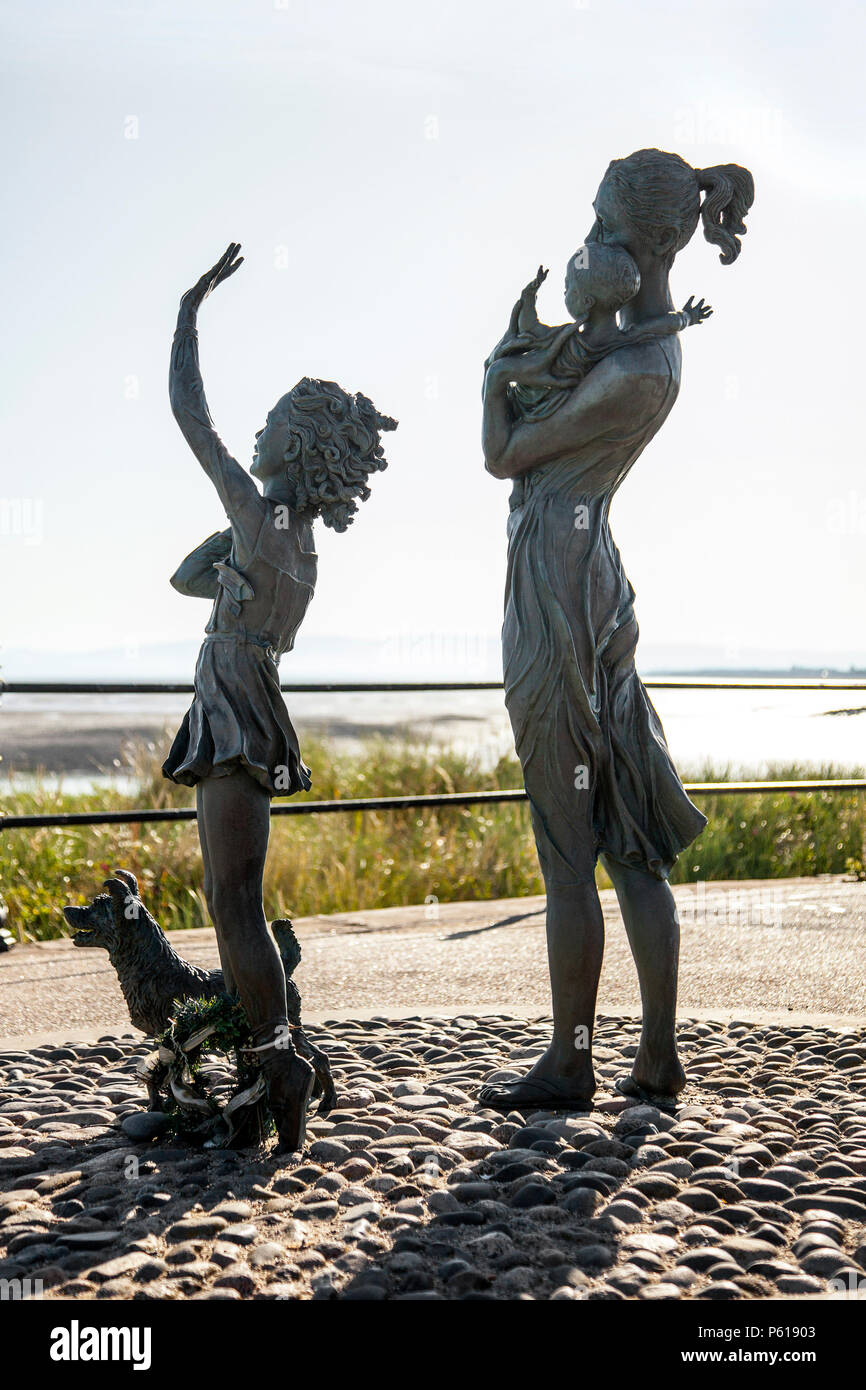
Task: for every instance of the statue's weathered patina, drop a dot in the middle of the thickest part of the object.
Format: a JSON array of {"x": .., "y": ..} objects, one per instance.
[
  {"x": 237, "y": 745},
  {"x": 567, "y": 412}
]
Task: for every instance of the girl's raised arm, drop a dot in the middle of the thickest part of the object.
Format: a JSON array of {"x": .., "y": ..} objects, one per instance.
[{"x": 186, "y": 392}]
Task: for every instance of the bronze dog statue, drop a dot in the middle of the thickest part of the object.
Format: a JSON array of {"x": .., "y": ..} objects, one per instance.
[{"x": 152, "y": 974}]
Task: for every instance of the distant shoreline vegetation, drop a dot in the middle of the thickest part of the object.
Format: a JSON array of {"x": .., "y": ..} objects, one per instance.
[
  {"x": 364, "y": 860},
  {"x": 763, "y": 673}
]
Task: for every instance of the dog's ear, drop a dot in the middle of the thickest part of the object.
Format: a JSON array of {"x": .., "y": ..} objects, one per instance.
[
  {"x": 125, "y": 906},
  {"x": 119, "y": 894},
  {"x": 129, "y": 879}
]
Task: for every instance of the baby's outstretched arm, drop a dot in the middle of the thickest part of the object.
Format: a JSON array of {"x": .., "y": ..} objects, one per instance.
[
  {"x": 695, "y": 313},
  {"x": 663, "y": 325},
  {"x": 527, "y": 314},
  {"x": 524, "y": 324}
]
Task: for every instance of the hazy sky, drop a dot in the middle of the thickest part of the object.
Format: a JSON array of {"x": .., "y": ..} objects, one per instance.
[{"x": 395, "y": 173}]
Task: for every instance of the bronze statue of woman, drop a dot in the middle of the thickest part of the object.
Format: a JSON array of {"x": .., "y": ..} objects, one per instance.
[
  {"x": 567, "y": 426},
  {"x": 236, "y": 745}
]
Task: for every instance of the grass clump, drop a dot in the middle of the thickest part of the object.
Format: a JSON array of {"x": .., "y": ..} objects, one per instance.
[{"x": 361, "y": 860}]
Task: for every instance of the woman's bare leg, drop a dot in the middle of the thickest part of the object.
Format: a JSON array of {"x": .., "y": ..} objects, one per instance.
[
  {"x": 653, "y": 928},
  {"x": 575, "y": 948}
]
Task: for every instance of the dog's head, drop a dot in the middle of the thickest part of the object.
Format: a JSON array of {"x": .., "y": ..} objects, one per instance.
[
  {"x": 111, "y": 916},
  {"x": 94, "y": 925}
]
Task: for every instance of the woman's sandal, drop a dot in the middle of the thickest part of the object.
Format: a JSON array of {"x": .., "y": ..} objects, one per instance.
[
  {"x": 530, "y": 1094},
  {"x": 627, "y": 1086}
]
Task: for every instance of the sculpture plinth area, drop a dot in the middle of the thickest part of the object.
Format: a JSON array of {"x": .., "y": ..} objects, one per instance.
[{"x": 567, "y": 411}]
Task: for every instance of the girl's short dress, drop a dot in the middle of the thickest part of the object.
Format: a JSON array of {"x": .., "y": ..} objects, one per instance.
[{"x": 238, "y": 717}]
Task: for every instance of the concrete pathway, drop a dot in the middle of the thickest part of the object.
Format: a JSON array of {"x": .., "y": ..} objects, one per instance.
[{"x": 777, "y": 950}]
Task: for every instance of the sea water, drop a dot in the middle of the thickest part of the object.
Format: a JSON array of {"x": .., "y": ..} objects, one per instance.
[{"x": 744, "y": 731}]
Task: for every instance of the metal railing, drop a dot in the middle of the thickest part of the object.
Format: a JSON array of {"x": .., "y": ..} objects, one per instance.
[
  {"x": 359, "y": 687},
  {"x": 401, "y": 803}
]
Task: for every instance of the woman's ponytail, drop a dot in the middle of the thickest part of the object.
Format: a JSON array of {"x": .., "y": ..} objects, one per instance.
[{"x": 729, "y": 191}]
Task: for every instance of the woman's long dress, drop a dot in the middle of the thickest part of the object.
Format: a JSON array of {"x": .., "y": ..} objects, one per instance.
[{"x": 597, "y": 770}]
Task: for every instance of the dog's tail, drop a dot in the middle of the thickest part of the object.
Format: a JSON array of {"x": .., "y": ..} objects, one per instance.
[{"x": 288, "y": 944}]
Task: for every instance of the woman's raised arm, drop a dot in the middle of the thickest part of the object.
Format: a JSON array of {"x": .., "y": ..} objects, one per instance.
[{"x": 186, "y": 392}]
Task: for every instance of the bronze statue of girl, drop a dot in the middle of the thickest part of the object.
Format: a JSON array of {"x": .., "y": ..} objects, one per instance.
[{"x": 237, "y": 745}]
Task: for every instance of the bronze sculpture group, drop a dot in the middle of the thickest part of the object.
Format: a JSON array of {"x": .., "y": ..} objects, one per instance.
[{"x": 567, "y": 411}]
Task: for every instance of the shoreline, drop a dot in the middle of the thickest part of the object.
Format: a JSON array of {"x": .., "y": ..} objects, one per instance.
[{"x": 744, "y": 731}]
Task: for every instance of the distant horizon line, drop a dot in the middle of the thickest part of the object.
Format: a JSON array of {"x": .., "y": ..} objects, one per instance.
[{"x": 401, "y": 657}]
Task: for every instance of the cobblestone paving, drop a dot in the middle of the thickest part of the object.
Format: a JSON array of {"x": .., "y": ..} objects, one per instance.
[{"x": 755, "y": 1187}]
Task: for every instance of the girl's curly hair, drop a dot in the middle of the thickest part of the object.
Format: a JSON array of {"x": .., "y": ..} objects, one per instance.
[{"x": 333, "y": 448}]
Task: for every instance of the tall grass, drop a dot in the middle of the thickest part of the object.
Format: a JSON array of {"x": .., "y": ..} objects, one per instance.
[{"x": 352, "y": 861}]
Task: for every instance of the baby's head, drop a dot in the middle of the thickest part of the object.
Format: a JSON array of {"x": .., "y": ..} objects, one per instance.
[
  {"x": 325, "y": 443},
  {"x": 600, "y": 275}
]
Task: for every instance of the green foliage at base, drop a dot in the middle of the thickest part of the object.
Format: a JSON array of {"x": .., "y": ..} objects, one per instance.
[
  {"x": 228, "y": 1033},
  {"x": 223, "y": 1014}
]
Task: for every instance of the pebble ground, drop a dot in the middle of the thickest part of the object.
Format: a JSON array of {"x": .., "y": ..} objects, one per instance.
[{"x": 754, "y": 1188}]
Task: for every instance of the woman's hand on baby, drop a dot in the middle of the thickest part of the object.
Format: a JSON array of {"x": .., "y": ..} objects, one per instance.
[
  {"x": 227, "y": 264},
  {"x": 529, "y": 361},
  {"x": 697, "y": 312},
  {"x": 518, "y": 342}
]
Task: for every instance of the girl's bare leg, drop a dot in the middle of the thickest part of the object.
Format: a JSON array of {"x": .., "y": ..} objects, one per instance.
[
  {"x": 235, "y": 813},
  {"x": 228, "y": 977}
]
